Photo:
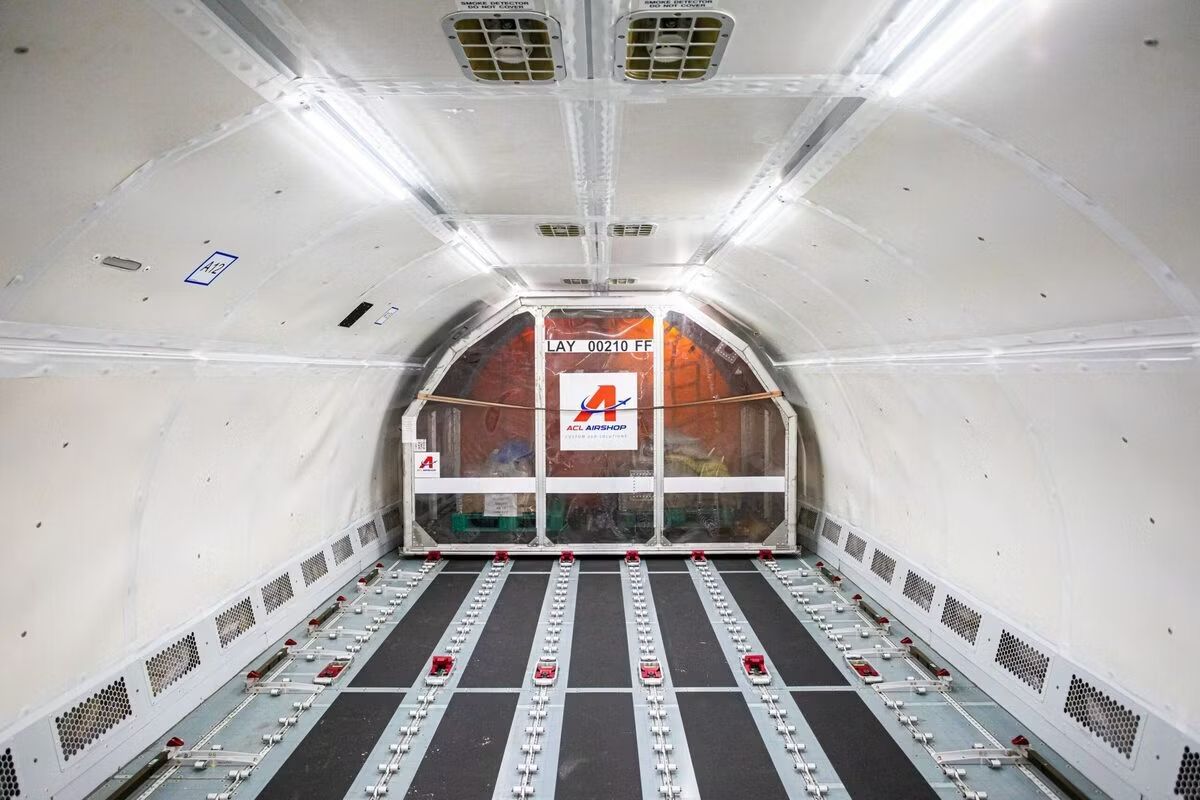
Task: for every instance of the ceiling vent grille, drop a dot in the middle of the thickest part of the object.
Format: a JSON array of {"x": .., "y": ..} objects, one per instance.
[
  {"x": 577, "y": 281},
  {"x": 631, "y": 230},
  {"x": 277, "y": 592},
  {"x": 391, "y": 520},
  {"x": 506, "y": 47},
  {"x": 918, "y": 589},
  {"x": 92, "y": 718},
  {"x": 808, "y": 518},
  {"x": 342, "y": 549},
  {"x": 831, "y": 531},
  {"x": 883, "y": 565},
  {"x": 560, "y": 230},
  {"x": 172, "y": 663},
  {"x": 10, "y": 787},
  {"x": 314, "y": 568},
  {"x": 1187, "y": 780},
  {"x": 1108, "y": 720},
  {"x": 367, "y": 533},
  {"x": 856, "y": 546},
  {"x": 235, "y": 621},
  {"x": 961, "y": 618},
  {"x": 622, "y": 281},
  {"x": 1022, "y": 660},
  {"x": 676, "y": 46}
]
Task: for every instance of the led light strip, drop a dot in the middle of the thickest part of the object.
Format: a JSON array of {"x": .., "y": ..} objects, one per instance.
[
  {"x": 409, "y": 732},
  {"x": 921, "y": 682}
]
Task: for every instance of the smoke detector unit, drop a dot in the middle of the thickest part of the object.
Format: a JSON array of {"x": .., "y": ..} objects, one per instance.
[
  {"x": 560, "y": 230},
  {"x": 577, "y": 281},
  {"x": 507, "y": 46},
  {"x": 631, "y": 230},
  {"x": 622, "y": 281},
  {"x": 671, "y": 46}
]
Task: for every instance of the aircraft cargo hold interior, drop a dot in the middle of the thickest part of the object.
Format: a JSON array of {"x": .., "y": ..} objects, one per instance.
[{"x": 599, "y": 399}]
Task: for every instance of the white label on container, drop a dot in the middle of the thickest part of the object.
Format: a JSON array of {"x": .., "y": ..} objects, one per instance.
[
  {"x": 499, "y": 505},
  {"x": 599, "y": 346},
  {"x": 429, "y": 465},
  {"x": 419, "y": 445},
  {"x": 408, "y": 430},
  {"x": 597, "y": 411}
]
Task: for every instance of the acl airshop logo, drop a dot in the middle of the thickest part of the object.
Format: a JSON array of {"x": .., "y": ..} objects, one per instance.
[
  {"x": 598, "y": 411},
  {"x": 428, "y": 465}
]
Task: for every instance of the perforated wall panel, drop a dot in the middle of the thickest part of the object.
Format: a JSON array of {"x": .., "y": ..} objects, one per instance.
[
  {"x": 86, "y": 722},
  {"x": 277, "y": 592},
  {"x": 10, "y": 787},
  {"x": 367, "y": 533},
  {"x": 314, "y": 568},
  {"x": 1107, "y": 720},
  {"x": 392, "y": 520},
  {"x": 342, "y": 549},
  {"x": 1187, "y": 780},
  {"x": 235, "y": 621},
  {"x": 856, "y": 546},
  {"x": 961, "y": 618},
  {"x": 172, "y": 663},
  {"x": 1023, "y": 660},
  {"x": 883, "y": 565},
  {"x": 831, "y": 531},
  {"x": 918, "y": 589}
]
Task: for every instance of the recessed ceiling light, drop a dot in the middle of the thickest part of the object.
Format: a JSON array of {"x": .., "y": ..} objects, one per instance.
[
  {"x": 506, "y": 47},
  {"x": 560, "y": 230},
  {"x": 625, "y": 229},
  {"x": 678, "y": 46}
]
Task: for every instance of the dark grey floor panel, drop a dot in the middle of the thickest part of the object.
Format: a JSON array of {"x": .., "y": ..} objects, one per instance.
[
  {"x": 667, "y": 564},
  {"x": 599, "y": 653},
  {"x": 797, "y": 657},
  {"x": 733, "y": 563},
  {"x": 498, "y": 660},
  {"x": 330, "y": 757},
  {"x": 465, "y": 564},
  {"x": 599, "y": 563},
  {"x": 693, "y": 654},
  {"x": 399, "y": 660},
  {"x": 463, "y": 760},
  {"x": 869, "y": 762},
  {"x": 728, "y": 754},
  {"x": 533, "y": 564},
  {"x": 598, "y": 755}
]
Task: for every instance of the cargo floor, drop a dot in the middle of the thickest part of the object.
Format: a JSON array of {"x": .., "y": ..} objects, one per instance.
[{"x": 649, "y": 696}]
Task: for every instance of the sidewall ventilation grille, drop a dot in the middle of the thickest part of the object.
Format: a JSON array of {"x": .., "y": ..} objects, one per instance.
[
  {"x": 81, "y": 726},
  {"x": 314, "y": 568},
  {"x": 1024, "y": 661},
  {"x": 172, "y": 663},
  {"x": 234, "y": 621}
]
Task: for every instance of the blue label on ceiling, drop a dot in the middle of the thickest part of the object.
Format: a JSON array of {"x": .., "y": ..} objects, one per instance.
[{"x": 212, "y": 267}]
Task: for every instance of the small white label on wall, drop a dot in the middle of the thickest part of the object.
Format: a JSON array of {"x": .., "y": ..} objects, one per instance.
[
  {"x": 429, "y": 465},
  {"x": 495, "y": 5},
  {"x": 599, "y": 346},
  {"x": 598, "y": 411},
  {"x": 387, "y": 315}
]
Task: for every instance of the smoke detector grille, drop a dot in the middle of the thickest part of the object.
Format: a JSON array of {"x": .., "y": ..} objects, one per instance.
[
  {"x": 342, "y": 549},
  {"x": 629, "y": 230},
  {"x": 509, "y": 47},
  {"x": 172, "y": 663},
  {"x": 831, "y": 531},
  {"x": 1187, "y": 780},
  {"x": 314, "y": 568},
  {"x": 682, "y": 47},
  {"x": 277, "y": 592},
  {"x": 367, "y": 533},
  {"x": 92, "y": 718},
  {"x": 10, "y": 787},
  {"x": 577, "y": 281},
  {"x": 918, "y": 589},
  {"x": 560, "y": 230},
  {"x": 391, "y": 520},
  {"x": 1108, "y": 720},
  {"x": 856, "y": 546},
  {"x": 808, "y": 518},
  {"x": 622, "y": 281},
  {"x": 1022, "y": 660},
  {"x": 883, "y": 565},
  {"x": 961, "y": 618},
  {"x": 235, "y": 621}
]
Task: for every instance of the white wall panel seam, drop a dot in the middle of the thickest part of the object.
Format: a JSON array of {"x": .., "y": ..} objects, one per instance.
[{"x": 1153, "y": 266}]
